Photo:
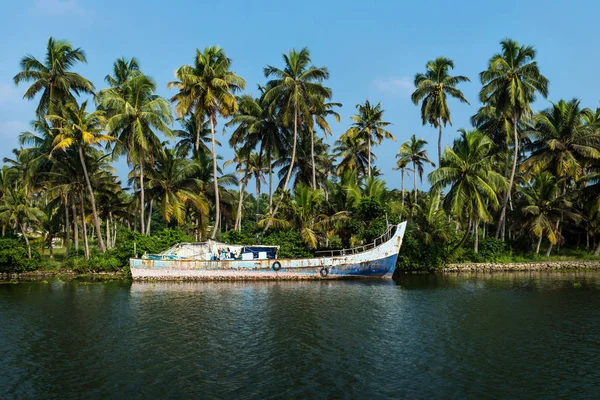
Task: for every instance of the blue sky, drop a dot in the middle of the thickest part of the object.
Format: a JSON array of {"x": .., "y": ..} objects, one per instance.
[{"x": 372, "y": 49}]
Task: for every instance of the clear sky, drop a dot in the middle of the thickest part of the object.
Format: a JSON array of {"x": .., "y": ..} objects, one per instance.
[{"x": 372, "y": 49}]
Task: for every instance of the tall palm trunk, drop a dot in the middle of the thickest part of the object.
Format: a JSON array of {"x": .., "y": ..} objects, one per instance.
[
  {"x": 198, "y": 129},
  {"x": 107, "y": 233},
  {"x": 84, "y": 228},
  {"x": 149, "y": 218},
  {"x": 597, "y": 251},
  {"x": 476, "y": 237},
  {"x": 257, "y": 195},
  {"x": 270, "y": 184},
  {"x": 415, "y": 179},
  {"x": 312, "y": 155},
  {"x": 67, "y": 227},
  {"x": 555, "y": 232},
  {"x": 216, "y": 183},
  {"x": 24, "y": 233},
  {"x": 440, "y": 142},
  {"x": 402, "y": 174},
  {"x": 289, "y": 173},
  {"x": 369, "y": 153},
  {"x": 75, "y": 227},
  {"x": 238, "y": 216},
  {"x": 92, "y": 201},
  {"x": 539, "y": 243},
  {"x": 142, "y": 208},
  {"x": 502, "y": 220}
]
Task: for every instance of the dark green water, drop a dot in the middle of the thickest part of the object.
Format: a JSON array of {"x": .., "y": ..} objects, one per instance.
[{"x": 486, "y": 336}]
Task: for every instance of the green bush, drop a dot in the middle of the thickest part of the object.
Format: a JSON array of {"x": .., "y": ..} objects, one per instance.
[
  {"x": 235, "y": 237},
  {"x": 13, "y": 256},
  {"x": 158, "y": 242},
  {"x": 96, "y": 263},
  {"x": 291, "y": 245},
  {"x": 415, "y": 255}
]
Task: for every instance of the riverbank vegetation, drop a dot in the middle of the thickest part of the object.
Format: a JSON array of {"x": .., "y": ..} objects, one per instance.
[{"x": 519, "y": 184}]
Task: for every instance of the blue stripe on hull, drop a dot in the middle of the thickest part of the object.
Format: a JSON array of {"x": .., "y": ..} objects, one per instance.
[{"x": 384, "y": 266}]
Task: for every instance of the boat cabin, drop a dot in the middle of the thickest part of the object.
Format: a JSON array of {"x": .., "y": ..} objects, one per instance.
[{"x": 212, "y": 250}]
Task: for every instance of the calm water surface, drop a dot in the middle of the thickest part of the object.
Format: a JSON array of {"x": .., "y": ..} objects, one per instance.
[{"x": 480, "y": 336}]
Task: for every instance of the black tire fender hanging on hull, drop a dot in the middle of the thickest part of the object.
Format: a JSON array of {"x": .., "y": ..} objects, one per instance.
[{"x": 276, "y": 266}]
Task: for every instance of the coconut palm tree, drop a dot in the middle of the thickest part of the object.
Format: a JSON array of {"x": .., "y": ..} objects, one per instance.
[
  {"x": 467, "y": 169},
  {"x": 207, "y": 88},
  {"x": 52, "y": 78},
  {"x": 321, "y": 110},
  {"x": 123, "y": 71},
  {"x": 293, "y": 92},
  {"x": 368, "y": 125},
  {"x": 510, "y": 84},
  {"x": 16, "y": 208},
  {"x": 173, "y": 183},
  {"x": 353, "y": 154},
  {"x": 241, "y": 160},
  {"x": 136, "y": 114},
  {"x": 542, "y": 204},
  {"x": 79, "y": 129},
  {"x": 257, "y": 166},
  {"x": 402, "y": 165},
  {"x": 413, "y": 151},
  {"x": 432, "y": 90},
  {"x": 563, "y": 142},
  {"x": 190, "y": 138}
]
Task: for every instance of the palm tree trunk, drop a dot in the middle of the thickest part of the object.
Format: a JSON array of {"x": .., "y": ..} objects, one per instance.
[
  {"x": 402, "y": 174},
  {"x": 238, "y": 217},
  {"x": 142, "y": 205},
  {"x": 67, "y": 227},
  {"x": 198, "y": 130},
  {"x": 75, "y": 227},
  {"x": 26, "y": 239},
  {"x": 539, "y": 244},
  {"x": 440, "y": 143},
  {"x": 92, "y": 201},
  {"x": 257, "y": 195},
  {"x": 369, "y": 150},
  {"x": 476, "y": 237},
  {"x": 270, "y": 184},
  {"x": 289, "y": 173},
  {"x": 216, "y": 183},
  {"x": 3, "y": 230},
  {"x": 107, "y": 233},
  {"x": 415, "y": 179},
  {"x": 555, "y": 232},
  {"x": 511, "y": 181},
  {"x": 312, "y": 155},
  {"x": 597, "y": 251},
  {"x": 149, "y": 218},
  {"x": 84, "y": 228}
]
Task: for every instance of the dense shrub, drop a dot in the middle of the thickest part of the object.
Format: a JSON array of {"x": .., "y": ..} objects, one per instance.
[
  {"x": 291, "y": 245},
  {"x": 158, "y": 242},
  {"x": 235, "y": 237},
  {"x": 415, "y": 255},
  {"x": 13, "y": 256},
  {"x": 96, "y": 263}
]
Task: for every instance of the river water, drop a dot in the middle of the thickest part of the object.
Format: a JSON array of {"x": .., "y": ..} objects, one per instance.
[{"x": 516, "y": 335}]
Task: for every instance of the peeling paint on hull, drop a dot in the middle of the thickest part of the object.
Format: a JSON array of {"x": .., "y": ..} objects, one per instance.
[{"x": 379, "y": 261}]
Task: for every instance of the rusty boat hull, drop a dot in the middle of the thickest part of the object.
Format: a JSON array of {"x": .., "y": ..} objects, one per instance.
[{"x": 375, "y": 262}]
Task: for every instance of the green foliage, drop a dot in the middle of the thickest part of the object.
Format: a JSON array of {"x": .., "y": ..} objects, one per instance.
[
  {"x": 290, "y": 242},
  {"x": 415, "y": 255},
  {"x": 13, "y": 257},
  {"x": 159, "y": 241},
  {"x": 96, "y": 263},
  {"x": 237, "y": 237}
]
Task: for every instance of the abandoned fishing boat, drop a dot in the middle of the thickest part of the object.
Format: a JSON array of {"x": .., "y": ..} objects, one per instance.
[{"x": 213, "y": 260}]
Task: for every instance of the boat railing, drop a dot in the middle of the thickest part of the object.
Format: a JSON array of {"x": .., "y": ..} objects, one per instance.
[{"x": 387, "y": 235}]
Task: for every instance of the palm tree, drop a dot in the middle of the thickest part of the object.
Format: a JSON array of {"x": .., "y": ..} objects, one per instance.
[
  {"x": 192, "y": 139},
  {"x": 123, "y": 71},
  {"x": 402, "y": 165},
  {"x": 542, "y": 205},
  {"x": 413, "y": 151},
  {"x": 256, "y": 166},
  {"x": 207, "y": 88},
  {"x": 353, "y": 154},
  {"x": 16, "y": 209},
  {"x": 432, "y": 89},
  {"x": 510, "y": 84},
  {"x": 321, "y": 110},
  {"x": 564, "y": 143},
  {"x": 135, "y": 114},
  {"x": 241, "y": 160},
  {"x": 369, "y": 127},
  {"x": 81, "y": 129},
  {"x": 294, "y": 92},
  {"x": 53, "y": 78},
  {"x": 467, "y": 169},
  {"x": 173, "y": 183}
]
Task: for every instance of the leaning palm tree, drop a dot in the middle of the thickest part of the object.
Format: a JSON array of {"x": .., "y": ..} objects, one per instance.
[
  {"x": 53, "y": 78},
  {"x": 413, "y": 151},
  {"x": 467, "y": 169},
  {"x": 135, "y": 115},
  {"x": 368, "y": 126},
  {"x": 81, "y": 129},
  {"x": 510, "y": 84},
  {"x": 207, "y": 88},
  {"x": 293, "y": 92},
  {"x": 432, "y": 89}
]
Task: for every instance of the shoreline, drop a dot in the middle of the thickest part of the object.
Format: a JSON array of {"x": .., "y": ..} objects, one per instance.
[{"x": 541, "y": 266}]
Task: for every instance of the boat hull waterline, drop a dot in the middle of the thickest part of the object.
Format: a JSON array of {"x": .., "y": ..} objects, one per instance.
[{"x": 379, "y": 261}]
